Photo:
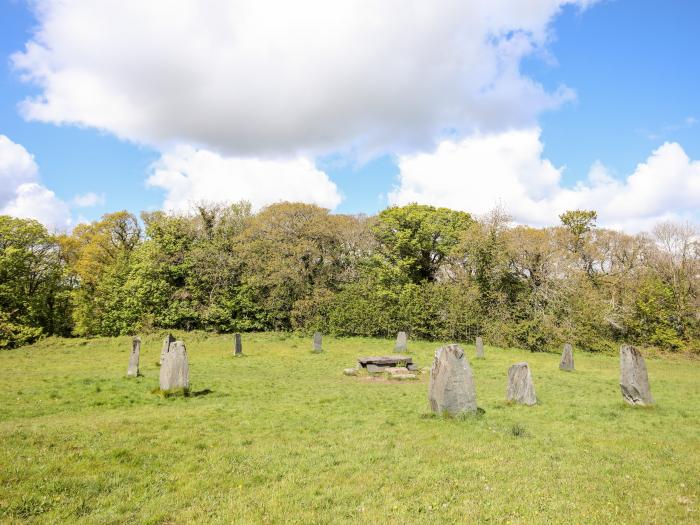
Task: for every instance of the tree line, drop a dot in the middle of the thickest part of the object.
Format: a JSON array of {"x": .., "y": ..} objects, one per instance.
[{"x": 433, "y": 272}]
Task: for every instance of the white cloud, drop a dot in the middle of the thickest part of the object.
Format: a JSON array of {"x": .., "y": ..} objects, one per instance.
[
  {"x": 485, "y": 170},
  {"x": 21, "y": 194},
  {"x": 89, "y": 200},
  {"x": 264, "y": 77},
  {"x": 189, "y": 175}
]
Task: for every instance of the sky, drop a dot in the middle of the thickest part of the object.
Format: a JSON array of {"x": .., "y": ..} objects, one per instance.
[{"x": 535, "y": 106}]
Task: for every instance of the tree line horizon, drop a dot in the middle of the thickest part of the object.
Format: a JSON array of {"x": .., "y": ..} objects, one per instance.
[{"x": 436, "y": 273}]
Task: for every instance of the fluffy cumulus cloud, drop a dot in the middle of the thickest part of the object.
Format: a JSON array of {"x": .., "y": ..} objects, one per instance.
[
  {"x": 21, "y": 193},
  {"x": 268, "y": 78},
  {"x": 190, "y": 175},
  {"x": 507, "y": 169}
]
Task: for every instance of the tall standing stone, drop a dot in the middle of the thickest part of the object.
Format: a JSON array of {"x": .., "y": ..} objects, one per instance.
[
  {"x": 133, "y": 370},
  {"x": 238, "y": 345},
  {"x": 175, "y": 370},
  {"x": 401, "y": 343},
  {"x": 634, "y": 381},
  {"x": 317, "y": 343},
  {"x": 567, "y": 358},
  {"x": 479, "y": 348},
  {"x": 164, "y": 349},
  {"x": 451, "y": 388},
  {"x": 521, "y": 389}
]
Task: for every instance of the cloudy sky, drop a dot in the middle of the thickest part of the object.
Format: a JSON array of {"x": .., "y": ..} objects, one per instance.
[{"x": 537, "y": 106}]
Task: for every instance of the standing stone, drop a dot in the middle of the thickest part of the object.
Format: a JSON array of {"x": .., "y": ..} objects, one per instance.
[
  {"x": 164, "y": 349},
  {"x": 133, "y": 370},
  {"x": 175, "y": 370},
  {"x": 238, "y": 345},
  {"x": 521, "y": 389},
  {"x": 567, "y": 358},
  {"x": 634, "y": 381},
  {"x": 451, "y": 389},
  {"x": 317, "y": 343},
  {"x": 401, "y": 343},
  {"x": 479, "y": 348}
]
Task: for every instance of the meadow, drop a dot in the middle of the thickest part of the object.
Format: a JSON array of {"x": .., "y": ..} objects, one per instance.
[{"x": 282, "y": 436}]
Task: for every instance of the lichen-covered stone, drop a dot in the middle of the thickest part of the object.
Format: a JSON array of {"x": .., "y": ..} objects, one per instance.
[
  {"x": 567, "y": 358},
  {"x": 175, "y": 370},
  {"x": 169, "y": 339},
  {"x": 317, "y": 343},
  {"x": 238, "y": 345},
  {"x": 451, "y": 388},
  {"x": 521, "y": 389},
  {"x": 479, "y": 348},
  {"x": 133, "y": 370},
  {"x": 401, "y": 342},
  {"x": 634, "y": 381}
]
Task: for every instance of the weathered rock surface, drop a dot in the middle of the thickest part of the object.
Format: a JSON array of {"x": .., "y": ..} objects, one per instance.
[
  {"x": 401, "y": 342},
  {"x": 375, "y": 369},
  {"x": 133, "y": 370},
  {"x": 567, "y": 358},
  {"x": 317, "y": 342},
  {"x": 175, "y": 370},
  {"x": 166, "y": 344},
  {"x": 521, "y": 389},
  {"x": 451, "y": 388},
  {"x": 634, "y": 381},
  {"x": 350, "y": 371},
  {"x": 479, "y": 348},
  {"x": 238, "y": 345}
]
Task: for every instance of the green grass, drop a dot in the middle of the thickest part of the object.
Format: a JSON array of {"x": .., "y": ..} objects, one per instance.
[{"x": 282, "y": 436}]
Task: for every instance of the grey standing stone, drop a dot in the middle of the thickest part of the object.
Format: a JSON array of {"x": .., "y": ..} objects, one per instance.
[
  {"x": 166, "y": 344},
  {"x": 317, "y": 343},
  {"x": 521, "y": 389},
  {"x": 175, "y": 370},
  {"x": 451, "y": 388},
  {"x": 479, "y": 348},
  {"x": 238, "y": 345},
  {"x": 133, "y": 370},
  {"x": 634, "y": 381},
  {"x": 567, "y": 358},
  {"x": 401, "y": 343}
]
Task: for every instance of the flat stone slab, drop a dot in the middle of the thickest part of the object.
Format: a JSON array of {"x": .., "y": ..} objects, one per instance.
[
  {"x": 521, "y": 388},
  {"x": 401, "y": 342},
  {"x": 175, "y": 370},
  {"x": 133, "y": 370},
  {"x": 318, "y": 343},
  {"x": 567, "y": 358},
  {"x": 386, "y": 360}
]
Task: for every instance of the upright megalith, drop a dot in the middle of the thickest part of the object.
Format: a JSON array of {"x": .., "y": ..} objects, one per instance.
[
  {"x": 133, "y": 370},
  {"x": 567, "y": 358},
  {"x": 169, "y": 339},
  {"x": 401, "y": 343},
  {"x": 521, "y": 389},
  {"x": 237, "y": 345},
  {"x": 479, "y": 348},
  {"x": 451, "y": 390},
  {"x": 317, "y": 343},
  {"x": 634, "y": 381},
  {"x": 175, "y": 370}
]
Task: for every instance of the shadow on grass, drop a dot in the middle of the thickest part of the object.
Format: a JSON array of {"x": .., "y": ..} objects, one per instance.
[{"x": 181, "y": 392}]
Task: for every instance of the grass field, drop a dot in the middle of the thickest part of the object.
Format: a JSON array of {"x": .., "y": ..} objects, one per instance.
[{"x": 281, "y": 436}]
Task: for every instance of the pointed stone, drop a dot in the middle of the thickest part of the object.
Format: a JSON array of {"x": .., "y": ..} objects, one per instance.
[
  {"x": 451, "y": 388},
  {"x": 401, "y": 343},
  {"x": 133, "y": 370},
  {"x": 175, "y": 370},
  {"x": 317, "y": 343},
  {"x": 634, "y": 381},
  {"x": 567, "y": 358},
  {"x": 479, "y": 348},
  {"x": 521, "y": 389},
  {"x": 166, "y": 344},
  {"x": 238, "y": 345}
]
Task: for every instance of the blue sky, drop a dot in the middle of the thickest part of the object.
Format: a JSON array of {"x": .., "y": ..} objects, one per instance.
[{"x": 617, "y": 81}]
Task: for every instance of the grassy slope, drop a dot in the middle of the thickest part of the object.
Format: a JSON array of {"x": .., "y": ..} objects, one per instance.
[{"x": 284, "y": 437}]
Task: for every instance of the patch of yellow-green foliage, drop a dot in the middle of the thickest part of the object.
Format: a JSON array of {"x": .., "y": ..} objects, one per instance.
[{"x": 282, "y": 436}]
